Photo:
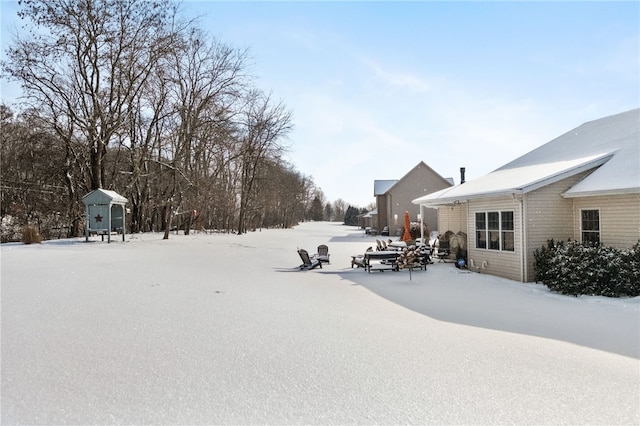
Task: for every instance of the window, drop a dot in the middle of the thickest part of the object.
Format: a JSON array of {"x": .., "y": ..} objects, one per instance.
[
  {"x": 495, "y": 231},
  {"x": 508, "y": 235},
  {"x": 590, "y": 226},
  {"x": 481, "y": 230}
]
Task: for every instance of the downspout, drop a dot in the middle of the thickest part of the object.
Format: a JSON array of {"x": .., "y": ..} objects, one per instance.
[
  {"x": 522, "y": 247},
  {"x": 467, "y": 231},
  {"x": 523, "y": 240},
  {"x": 388, "y": 214}
]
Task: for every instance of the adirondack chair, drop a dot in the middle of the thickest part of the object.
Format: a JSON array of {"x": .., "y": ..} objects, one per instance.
[
  {"x": 307, "y": 261},
  {"x": 323, "y": 253},
  {"x": 358, "y": 260},
  {"x": 443, "y": 250}
]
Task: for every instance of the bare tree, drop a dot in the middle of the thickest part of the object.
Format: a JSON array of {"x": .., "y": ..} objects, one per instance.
[
  {"x": 31, "y": 164},
  {"x": 264, "y": 126},
  {"x": 128, "y": 98},
  {"x": 84, "y": 62},
  {"x": 328, "y": 212},
  {"x": 339, "y": 209},
  {"x": 206, "y": 80},
  {"x": 279, "y": 194}
]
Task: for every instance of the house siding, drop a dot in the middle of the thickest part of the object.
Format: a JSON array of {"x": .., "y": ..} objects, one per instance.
[
  {"x": 506, "y": 264},
  {"x": 539, "y": 216},
  {"x": 452, "y": 218},
  {"x": 421, "y": 180},
  {"x": 548, "y": 216},
  {"x": 381, "y": 219},
  {"x": 619, "y": 218}
]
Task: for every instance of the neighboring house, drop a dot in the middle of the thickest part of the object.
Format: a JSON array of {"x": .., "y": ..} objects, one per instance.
[
  {"x": 393, "y": 198},
  {"x": 367, "y": 220},
  {"x": 583, "y": 185}
]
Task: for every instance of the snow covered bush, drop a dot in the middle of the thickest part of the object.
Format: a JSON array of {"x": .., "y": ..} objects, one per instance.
[
  {"x": 10, "y": 229},
  {"x": 575, "y": 268}
]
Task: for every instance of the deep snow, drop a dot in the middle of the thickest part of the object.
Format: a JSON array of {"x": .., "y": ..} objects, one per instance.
[{"x": 225, "y": 329}]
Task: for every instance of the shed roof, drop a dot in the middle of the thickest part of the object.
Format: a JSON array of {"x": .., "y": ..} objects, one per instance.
[
  {"x": 609, "y": 144},
  {"x": 103, "y": 196}
]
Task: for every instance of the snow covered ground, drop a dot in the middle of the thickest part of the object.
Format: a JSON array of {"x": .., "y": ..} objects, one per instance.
[{"x": 224, "y": 329}]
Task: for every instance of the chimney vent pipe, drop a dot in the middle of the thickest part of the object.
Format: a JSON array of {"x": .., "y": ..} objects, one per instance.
[{"x": 462, "y": 170}]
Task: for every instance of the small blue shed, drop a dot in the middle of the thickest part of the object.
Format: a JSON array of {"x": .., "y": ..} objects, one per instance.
[{"x": 105, "y": 213}]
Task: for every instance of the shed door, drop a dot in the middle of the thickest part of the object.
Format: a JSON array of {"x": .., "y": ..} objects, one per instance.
[{"x": 98, "y": 217}]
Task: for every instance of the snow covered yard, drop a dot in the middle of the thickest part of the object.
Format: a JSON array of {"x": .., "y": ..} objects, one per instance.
[{"x": 224, "y": 329}]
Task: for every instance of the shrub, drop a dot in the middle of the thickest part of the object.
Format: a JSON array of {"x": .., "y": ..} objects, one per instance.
[
  {"x": 576, "y": 269},
  {"x": 414, "y": 230},
  {"x": 10, "y": 229},
  {"x": 31, "y": 235}
]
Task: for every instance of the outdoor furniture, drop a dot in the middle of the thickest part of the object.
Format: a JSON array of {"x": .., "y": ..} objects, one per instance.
[
  {"x": 442, "y": 254},
  {"x": 323, "y": 253},
  {"x": 427, "y": 251},
  {"x": 397, "y": 245},
  {"x": 381, "y": 260},
  {"x": 308, "y": 262},
  {"x": 358, "y": 261},
  {"x": 443, "y": 250}
]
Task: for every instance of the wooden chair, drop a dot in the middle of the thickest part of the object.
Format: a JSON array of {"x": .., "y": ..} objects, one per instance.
[
  {"x": 308, "y": 262},
  {"x": 323, "y": 253}
]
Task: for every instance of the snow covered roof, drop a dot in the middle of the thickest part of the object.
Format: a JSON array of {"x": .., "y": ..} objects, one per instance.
[
  {"x": 610, "y": 144},
  {"x": 103, "y": 196},
  {"x": 370, "y": 214}
]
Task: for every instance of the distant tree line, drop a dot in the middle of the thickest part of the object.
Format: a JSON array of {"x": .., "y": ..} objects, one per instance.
[{"x": 123, "y": 95}]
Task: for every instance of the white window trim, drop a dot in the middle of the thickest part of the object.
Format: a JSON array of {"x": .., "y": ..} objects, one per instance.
[{"x": 582, "y": 231}]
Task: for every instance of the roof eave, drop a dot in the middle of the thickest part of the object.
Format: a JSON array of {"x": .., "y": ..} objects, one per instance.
[
  {"x": 463, "y": 199},
  {"x": 526, "y": 188},
  {"x": 601, "y": 193}
]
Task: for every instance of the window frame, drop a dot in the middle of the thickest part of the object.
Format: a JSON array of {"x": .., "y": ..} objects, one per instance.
[
  {"x": 481, "y": 233},
  {"x": 596, "y": 232},
  {"x": 493, "y": 235}
]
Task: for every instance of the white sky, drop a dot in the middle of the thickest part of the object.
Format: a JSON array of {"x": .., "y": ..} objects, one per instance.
[{"x": 376, "y": 87}]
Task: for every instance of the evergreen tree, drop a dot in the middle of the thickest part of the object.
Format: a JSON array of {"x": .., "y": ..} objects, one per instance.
[
  {"x": 351, "y": 216},
  {"x": 316, "y": 212}
]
